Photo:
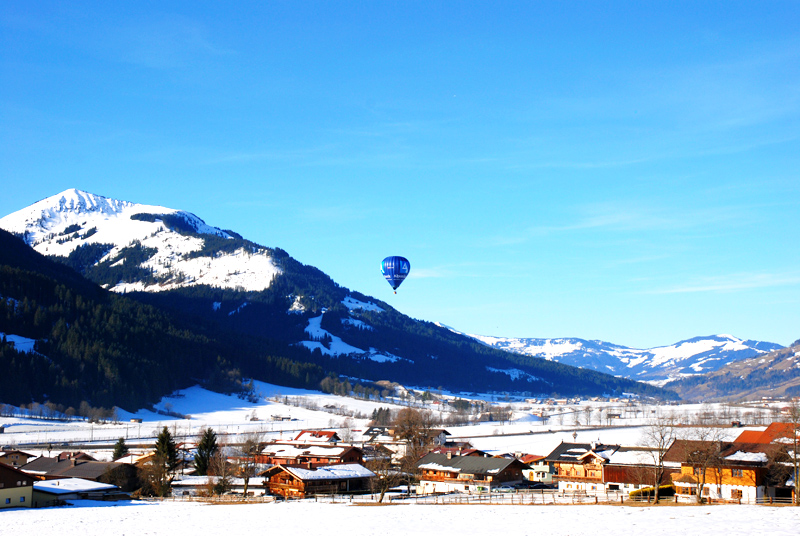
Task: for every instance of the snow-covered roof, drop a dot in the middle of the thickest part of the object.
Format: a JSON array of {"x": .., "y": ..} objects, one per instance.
[
  {"x": 293, "y": 451},
  {"x": 332, "y": 472},
  {"x": 739, "y": 456},
  {"x": 71, "y": 485},
  {"x": 438, "y": 467}
]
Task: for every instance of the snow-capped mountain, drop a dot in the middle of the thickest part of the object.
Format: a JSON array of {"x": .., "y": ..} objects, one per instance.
[
  {"x": 116, "y": 233},
  {"x": 698, "y": 355}
]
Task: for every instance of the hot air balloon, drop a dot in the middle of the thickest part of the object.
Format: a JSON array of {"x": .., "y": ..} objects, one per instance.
[{"x": 395, "y": 269}]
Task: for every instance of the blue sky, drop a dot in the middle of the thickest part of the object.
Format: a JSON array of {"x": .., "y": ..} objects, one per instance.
[{"x": 551, "y": 169}]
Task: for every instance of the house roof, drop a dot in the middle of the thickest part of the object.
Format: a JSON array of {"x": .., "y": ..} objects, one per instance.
[
  {"x": 734, "y": 453},
  {"x": 576, "y": 452},
  {"x": 50, "y": 467},
  {"x": 295, "y": 450},
  {"x": 750, "y": 436},
  {"x": 345, "y": 471},
  {"x": 9, "y": 471},
  {"x": 466, "y": 464},
  {"x": 775, "y": 431},
  {"x": 323, "y": 436},
  {"x": 63, "y": 486}
]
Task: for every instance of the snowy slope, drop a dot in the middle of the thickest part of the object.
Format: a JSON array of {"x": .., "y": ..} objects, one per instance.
[
  {"x": 60, "y": 224},
  {"x": 698, "y": 355}
]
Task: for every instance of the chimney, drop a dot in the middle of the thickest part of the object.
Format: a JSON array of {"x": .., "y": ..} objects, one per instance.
[{"x": 449, "y": 455}]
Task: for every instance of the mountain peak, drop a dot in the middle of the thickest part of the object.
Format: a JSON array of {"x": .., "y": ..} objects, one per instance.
[{"x": 139, "y": 247}]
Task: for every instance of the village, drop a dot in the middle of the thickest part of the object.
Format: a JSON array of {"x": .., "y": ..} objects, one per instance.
[{"x": 547, "y": 451}]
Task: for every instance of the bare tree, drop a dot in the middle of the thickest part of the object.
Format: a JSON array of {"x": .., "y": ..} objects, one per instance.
[
  {"x": 658, "y": 436},
  {"x": 792, "y": 444},
  {"x": 702, "y": 452},
  {"x": 246, "y": 461},
  {"x": 346, "y": 431},
  {"x": 386, "y": 476}
]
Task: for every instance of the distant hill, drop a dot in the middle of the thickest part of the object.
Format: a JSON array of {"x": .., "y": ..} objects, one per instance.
[
  {"x": 258, "y": 305},
  {"x": 776, "y": 373},
  {"x": 691, "y": 357}
]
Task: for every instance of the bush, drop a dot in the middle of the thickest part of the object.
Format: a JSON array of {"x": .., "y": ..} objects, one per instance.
[{"x": 647, "y": 493}]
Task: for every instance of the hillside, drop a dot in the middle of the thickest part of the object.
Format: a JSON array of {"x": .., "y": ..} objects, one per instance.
[
  {"x": 259, "y": 303},
  {"x": 776, "y": 373},
  {"x": 691, "y": 357}
]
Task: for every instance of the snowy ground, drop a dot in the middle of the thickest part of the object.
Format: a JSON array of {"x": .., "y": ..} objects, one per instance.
[{"x": 312, "y": 519}]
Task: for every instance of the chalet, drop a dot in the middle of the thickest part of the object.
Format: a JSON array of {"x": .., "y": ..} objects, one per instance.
[
  {"x": 15, "y": 458},
  {"x": 596, "y": 468},
  {"x": 302, "y": 454},
  {"x": 444, "y": 473},
  {"x": 725, "y": 471},
  {"x": 317, "y": 436},
  {"x": 16, "y": 487},
  {"x": 302, "y": 482}
]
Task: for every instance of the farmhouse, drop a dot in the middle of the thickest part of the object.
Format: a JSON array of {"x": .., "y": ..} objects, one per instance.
[
  {"x": 302, "y": 482},
  {"x": 720, "y": 471},
  {"x": 444, "y": 473},
  {"x": 594, "y": 468}
]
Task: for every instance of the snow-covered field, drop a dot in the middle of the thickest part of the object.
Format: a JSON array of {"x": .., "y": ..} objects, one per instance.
[
  {"x": 309, "y": 518},
  {"x": 524, "y": 433},
  {"x": 274, "y": 418}
]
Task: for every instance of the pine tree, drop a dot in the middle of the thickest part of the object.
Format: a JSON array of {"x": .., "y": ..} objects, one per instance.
[
  {"x": 206, "y": 449},
  {"x": 120, "y": 449},
  {"x": 166, "y": 449}
]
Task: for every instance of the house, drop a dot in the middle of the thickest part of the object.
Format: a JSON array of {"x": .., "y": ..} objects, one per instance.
[
  {"x": 594, "y": 468},
  {"x": 317, "y": 436},
  {"x": 540, "y": 469},
  {"x": 301, "y": 482},
  {"x": 725, "y": 471},
  {"x": 15, "y": 458},
  {"x": 78, "y": 467},
  {"x": 579, "y": 466},
  {"x": 55, "y": 492},
  {"x": 444, "y": 473},
  {"x": 16, "y": 487},
  {"x": 302, "y": 454}
]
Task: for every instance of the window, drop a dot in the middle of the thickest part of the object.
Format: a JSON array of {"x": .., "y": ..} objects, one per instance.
[
  {"x": 736, "y": 494},
  {"x": 8, "y": 501},
  {"x": 737, "y": 472},
  {"x": 22, "y": 499}
]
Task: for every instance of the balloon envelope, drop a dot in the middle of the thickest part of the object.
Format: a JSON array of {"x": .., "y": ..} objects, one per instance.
[{"x": 395, "y": 269}]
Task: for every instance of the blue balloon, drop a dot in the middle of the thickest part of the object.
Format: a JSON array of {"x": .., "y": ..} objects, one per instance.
[{"x": 395, "y": 269}]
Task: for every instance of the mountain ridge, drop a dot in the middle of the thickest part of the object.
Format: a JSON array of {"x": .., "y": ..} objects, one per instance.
[
  {"x": 689, "y": 357},
  {"x": 148, "y": 253}
]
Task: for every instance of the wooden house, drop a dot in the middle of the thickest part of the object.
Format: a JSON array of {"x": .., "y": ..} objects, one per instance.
[
  {"x": 444, "y": 473},
  {"x": 725, "y": 471},
  {"x": 301, "y": 482},
  {"x": 15, "y": 458},
  {"x": 593, "y": 468}
]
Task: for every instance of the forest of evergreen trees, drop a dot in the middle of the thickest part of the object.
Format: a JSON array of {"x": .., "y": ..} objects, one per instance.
[{"x": 130, "y": 350}]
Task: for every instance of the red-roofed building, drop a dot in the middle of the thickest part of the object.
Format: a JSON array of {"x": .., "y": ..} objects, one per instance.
[
  {"x": 317, "y": 436},
  {"x": 776, "y": 430}
]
